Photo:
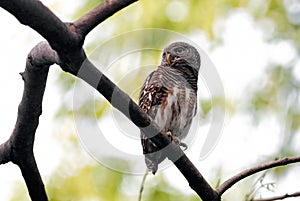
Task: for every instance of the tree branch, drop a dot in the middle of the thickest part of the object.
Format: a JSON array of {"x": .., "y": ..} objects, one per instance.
[
  {"x": 233, "y": 180},
  {"x": 106, "y": 9},
  {"x": 282, "y": 197},
  {"x": 19, "y": 147}
]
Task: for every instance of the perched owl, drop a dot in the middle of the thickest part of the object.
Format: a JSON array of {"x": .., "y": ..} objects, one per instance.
[{"x": 169, "y": 96}]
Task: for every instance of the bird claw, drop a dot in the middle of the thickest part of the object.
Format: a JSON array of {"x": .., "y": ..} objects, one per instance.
[
  {"x": 183, "y": 145},
  {"x": 176, "y": 140}
]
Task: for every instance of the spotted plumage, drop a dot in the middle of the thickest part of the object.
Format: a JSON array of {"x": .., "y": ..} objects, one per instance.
[{"x": 169, "y": 96}]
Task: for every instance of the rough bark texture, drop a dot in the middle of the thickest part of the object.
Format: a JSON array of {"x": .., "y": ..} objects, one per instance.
[{"x": 19, "y": 147}]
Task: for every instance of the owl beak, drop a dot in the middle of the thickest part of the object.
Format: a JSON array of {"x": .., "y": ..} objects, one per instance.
[{"x": 168, "y": 58}]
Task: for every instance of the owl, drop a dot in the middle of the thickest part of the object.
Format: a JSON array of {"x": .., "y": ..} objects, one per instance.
[{"x": 169, "y": 97}]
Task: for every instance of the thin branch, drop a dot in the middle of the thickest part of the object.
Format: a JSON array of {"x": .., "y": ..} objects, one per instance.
[
  {"x": 282, "y": 197},
  {"x": 106, "y": 9},
  {"x": 230, "y": 182},
  {"x": 142, "y": 185}
]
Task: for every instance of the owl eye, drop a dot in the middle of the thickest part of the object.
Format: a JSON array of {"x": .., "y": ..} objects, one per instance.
[{"x": 179, "y": 50}]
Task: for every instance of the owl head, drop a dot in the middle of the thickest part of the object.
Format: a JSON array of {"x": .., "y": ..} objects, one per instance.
[{"x": 179, "y": 54}]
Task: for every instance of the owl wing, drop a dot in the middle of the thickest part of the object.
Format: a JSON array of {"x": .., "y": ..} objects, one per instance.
[
  {"x": 146, "y": 94},
  {"x": 152, "y": 94},
  {"x": 151, "y": 97}
]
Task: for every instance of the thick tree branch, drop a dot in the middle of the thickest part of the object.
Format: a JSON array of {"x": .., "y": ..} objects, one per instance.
[
  {"x": 19, "y": 147},
  {"x": 89, "y": 21},
  {"x": 230, "y": 182},
  {"x": 282, "y": 197}
]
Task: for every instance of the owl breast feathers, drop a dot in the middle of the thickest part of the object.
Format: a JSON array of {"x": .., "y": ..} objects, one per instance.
[{"x": 169, "y": 96}]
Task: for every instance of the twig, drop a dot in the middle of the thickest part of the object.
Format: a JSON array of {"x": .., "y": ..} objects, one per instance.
[
  {"x": 142, "y": 185},
  {"x": 282, "y": 197},
  {"x": 233, "y": 180}
]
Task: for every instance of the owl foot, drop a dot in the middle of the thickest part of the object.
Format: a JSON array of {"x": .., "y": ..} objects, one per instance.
[
  {"x": 176, "y": 140},
  {"x": 183, "y": 145},
  {"x": 173, "y": 138}
]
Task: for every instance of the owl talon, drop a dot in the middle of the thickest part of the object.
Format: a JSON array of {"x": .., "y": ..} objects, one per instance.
[
  {"x": 173, "y": 138},
  {"x": 176, "y": 140},
  {"x": 183, "y": 145},
  {"x": 168, "y": 134}
]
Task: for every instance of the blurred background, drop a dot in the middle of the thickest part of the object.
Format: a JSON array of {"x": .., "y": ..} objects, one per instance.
[{"x": 254, "y": 45}]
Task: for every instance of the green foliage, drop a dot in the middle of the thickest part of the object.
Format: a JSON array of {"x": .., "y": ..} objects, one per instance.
[
  {"x": 163, "y": 191},
  {"x": 88, "y": 183},
  {"x": 66, "y": 81},
  {"x": 86, "y": 7},
  {"x": 194, "y": 14},
  {"x": 285, "y": 29},
  {"x": 21, "y": 193},
  {"x": 272, "y": 95},
  {"x": 95, "y": 182}
]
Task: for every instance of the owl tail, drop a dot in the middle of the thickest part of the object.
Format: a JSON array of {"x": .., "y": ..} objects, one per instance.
[
  {"x": 153, "y": 155},
  {"x": 151, "y": 163}
]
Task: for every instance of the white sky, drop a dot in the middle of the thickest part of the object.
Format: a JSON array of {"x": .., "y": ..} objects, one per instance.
[{"x": 240, "y": 60}]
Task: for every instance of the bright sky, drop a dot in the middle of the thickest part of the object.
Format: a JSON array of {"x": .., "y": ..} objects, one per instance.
[{"x": 240, "y": 60}]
